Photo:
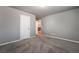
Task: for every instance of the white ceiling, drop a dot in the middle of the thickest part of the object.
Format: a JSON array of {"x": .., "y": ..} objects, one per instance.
[{"x": 43, "y": 11}]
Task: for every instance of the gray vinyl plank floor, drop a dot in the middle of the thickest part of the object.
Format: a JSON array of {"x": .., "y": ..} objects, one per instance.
[{"x": 31, "y": 45}]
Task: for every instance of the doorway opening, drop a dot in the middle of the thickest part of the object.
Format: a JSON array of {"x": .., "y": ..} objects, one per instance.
[{"x": 39, "y": 31}]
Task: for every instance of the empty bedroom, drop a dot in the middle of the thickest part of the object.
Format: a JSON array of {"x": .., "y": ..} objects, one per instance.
[{"x": 39, "y": 29}]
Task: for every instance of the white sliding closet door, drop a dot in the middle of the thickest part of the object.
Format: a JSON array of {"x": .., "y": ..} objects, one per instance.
[{"x": 24, "y": 26}]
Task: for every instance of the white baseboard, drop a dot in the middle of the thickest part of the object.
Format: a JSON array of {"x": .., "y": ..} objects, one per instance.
[
  {"x": 13, "y": 41},
  {"x": 10, "y": 42},
  {"x": 62, "y": 38},
  {"x": 32, "y": 36}
]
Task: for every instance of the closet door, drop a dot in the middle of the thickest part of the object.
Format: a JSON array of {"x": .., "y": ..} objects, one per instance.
[{"x": 24, "y": 26}]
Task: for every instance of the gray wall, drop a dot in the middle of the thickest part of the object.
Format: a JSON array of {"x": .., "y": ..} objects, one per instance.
[
  {"x": 32, "y": 26},
  {"x": 64, "y": 25},
  {"x": 10, "y": 24}
]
